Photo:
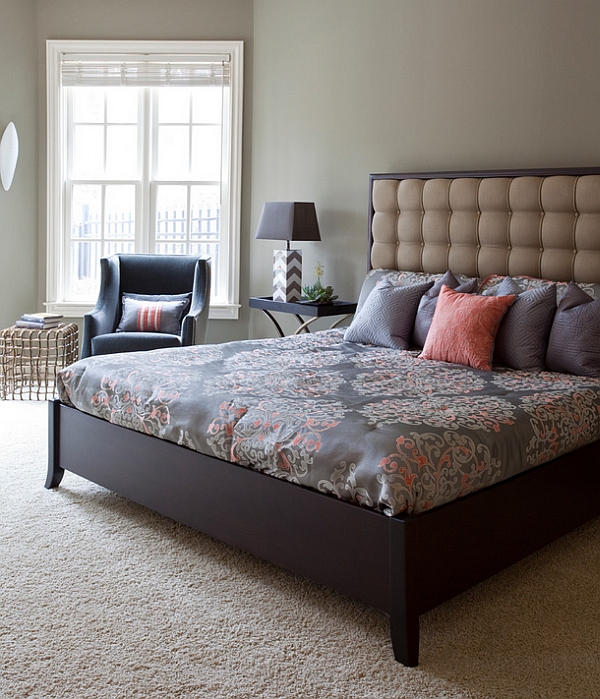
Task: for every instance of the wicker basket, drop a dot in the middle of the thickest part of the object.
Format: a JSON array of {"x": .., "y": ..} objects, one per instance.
[{"x": 30, "y": 360}]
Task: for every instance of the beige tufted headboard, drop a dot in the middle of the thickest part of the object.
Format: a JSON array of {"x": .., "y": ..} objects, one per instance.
[{"x": 542, "y": 223}]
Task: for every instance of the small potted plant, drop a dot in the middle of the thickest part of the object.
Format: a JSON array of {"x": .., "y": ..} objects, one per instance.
[{"x": 317, "y": 293}]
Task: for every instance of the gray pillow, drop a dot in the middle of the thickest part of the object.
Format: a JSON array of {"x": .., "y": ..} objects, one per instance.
[
  {"x": 387, "y": 316},
  {"x": 574, "y": 344},
  {"x": 522, "y": 338},
  {"x": 160, "y": 313},
  {"x": 429, "y": 302},
  {"x": 396, "y": 277}
]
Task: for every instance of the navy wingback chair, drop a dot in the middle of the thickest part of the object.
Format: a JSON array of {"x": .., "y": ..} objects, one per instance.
[{"x": 153, "y": 276}]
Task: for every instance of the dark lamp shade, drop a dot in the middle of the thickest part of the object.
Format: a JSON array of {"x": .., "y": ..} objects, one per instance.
[{"x": 288, "y": 220}]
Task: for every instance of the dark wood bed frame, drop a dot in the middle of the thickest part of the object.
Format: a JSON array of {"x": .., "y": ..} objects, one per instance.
[{"x": 404, "y": 565}]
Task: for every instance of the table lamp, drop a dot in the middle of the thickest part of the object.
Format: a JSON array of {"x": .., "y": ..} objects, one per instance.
[{"x": 289, "y": 221}]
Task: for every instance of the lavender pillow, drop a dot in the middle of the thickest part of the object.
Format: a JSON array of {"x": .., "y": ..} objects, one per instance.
[
  {"x": 574, "y": 344},
  {"x": 522, "y": 338},
  {"x": 387, "y": 316},
  {"x": 429, "y": 302}
]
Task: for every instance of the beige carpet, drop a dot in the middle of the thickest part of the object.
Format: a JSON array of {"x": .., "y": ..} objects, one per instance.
[{"x": 101, "y": 599}]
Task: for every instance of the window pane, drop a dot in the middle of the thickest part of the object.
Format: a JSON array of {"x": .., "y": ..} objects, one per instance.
[
  {"x": 85, "y": 269},
  {"x": 88, "y": 152},
  {"x": 206, "y": 153},
  {"x": 205, "y": 215},
  {"x": 86, "y": 205},
  {"x": 88, "y": 104},
  {"x": 122, "y": 105},
  {"x": 122, "y": 152},
  {"x": 120, "y": 247},
  {"x": 207, "y": 105},
  {"x": 207, "y": 250},
  {"x": 173, "y": 153},
  {"x": 174, "y": 105},
  {"x": 120, "y": 212},
  {"x": 171, "y": 213},
  {"x": 171, "y": 248}
]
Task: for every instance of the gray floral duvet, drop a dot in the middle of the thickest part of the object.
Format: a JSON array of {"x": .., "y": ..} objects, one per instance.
[{"x": 375, "y": 426}]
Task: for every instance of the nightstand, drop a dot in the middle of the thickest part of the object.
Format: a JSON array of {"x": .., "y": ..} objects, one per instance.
[{"x": 313, "y": 311}]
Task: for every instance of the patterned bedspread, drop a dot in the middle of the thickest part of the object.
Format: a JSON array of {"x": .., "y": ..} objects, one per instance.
[{"x": 375, "y": 426}]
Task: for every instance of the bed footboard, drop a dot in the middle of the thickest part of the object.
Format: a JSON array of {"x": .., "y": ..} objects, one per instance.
[{"x": 403, "y": 565}]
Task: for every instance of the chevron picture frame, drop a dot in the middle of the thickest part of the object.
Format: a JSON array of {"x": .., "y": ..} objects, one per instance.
[{"x": 287, "y": 275}]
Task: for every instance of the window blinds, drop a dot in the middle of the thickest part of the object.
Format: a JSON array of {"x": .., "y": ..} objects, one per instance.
[{"x": 144, "y": 70}]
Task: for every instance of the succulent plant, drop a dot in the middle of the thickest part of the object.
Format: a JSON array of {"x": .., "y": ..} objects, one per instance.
[{"x": 317, "y": 293}]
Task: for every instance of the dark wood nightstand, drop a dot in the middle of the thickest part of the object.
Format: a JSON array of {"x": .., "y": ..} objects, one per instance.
[{"x": 313, "y": 311}]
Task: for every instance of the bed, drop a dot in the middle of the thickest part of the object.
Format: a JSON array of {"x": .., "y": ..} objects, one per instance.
[{"x": 402, "y": 551}]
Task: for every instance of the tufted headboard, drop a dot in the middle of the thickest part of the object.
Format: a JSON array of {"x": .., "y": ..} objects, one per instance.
[{"x": 542, "y": 223}]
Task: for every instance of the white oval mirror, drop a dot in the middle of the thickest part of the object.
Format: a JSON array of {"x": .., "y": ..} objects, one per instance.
[{"x": 9, "y": 154}]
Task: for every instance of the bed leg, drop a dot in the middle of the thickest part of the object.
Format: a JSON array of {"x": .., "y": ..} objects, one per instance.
[
  {"x": 55, "y": 472},
  {"x": 404, "y": 603}
]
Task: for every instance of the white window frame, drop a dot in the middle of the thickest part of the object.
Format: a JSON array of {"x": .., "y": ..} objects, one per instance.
[{"x": 56, "y": 139}]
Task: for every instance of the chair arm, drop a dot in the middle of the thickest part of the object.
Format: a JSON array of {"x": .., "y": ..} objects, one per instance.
[
  {"x": 193, "y": 328},
  {"x": 105, "y": 316},
  {"x": 97, "y": 322}
]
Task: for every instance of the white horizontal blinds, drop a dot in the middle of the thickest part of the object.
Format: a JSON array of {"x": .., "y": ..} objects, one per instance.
[{"x": 107, "y": 70}]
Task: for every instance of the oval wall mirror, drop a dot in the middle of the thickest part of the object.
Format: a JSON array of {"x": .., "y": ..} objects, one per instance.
[{"x": 9, "y": 154}]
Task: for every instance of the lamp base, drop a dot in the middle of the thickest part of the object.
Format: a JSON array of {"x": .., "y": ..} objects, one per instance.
[{"x": 287, "y": 275}]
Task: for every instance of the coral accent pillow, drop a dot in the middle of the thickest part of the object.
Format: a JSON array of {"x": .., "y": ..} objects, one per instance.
[
  {"x": 464, "y": 327},
  {"x": 429, "y": 302}
]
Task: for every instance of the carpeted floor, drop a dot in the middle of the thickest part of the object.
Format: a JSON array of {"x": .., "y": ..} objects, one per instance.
[{"x": 101, "y": 598}]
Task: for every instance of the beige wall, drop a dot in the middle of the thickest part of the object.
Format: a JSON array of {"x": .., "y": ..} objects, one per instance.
[
  {"x": 343, "y": 88},
  {"x": 18, "y": 222},
  {"x": 335, "y": 89}
]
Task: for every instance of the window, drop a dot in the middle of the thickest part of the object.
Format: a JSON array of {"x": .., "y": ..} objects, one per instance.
[{"x": 144, "y": 155}]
